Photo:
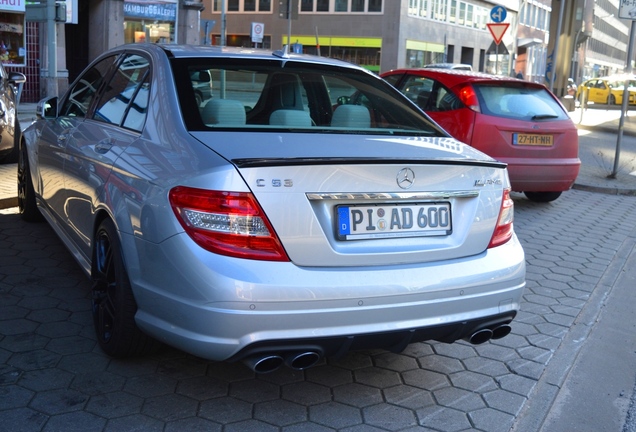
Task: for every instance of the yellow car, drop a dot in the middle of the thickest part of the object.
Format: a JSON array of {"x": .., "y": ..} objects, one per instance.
[{"x": 606, "y": 90}]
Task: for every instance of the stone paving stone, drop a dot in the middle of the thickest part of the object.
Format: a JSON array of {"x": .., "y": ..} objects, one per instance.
[
  {"x": 114, "y": 405},
  {"x": 134, "y": 423},
  {"x": 389, "y": 416},
  {"x": 280, "y": 412},
  {"x": 225, "y": 410},
  {"x": 170, "y": 407},
  {"x": 22, "y": 420},
  {"x": 192, "y": 424},
  {"x": 335, "y": 415},
  {"x": 408, "y": 397},
  {"x": 357, "y": 395},
  {"x": 443, "y": 419},
  {"x": 75, "y": 422}
]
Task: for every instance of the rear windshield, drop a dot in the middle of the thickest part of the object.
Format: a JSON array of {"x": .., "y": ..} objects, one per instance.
[
  {"x": 274, "y": 95},
  {"x": 519, "y": 102}
]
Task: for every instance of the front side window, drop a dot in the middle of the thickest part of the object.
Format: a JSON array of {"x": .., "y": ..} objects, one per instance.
[
  {"x": 80, "y": 97},
  {"x": 273, "y": 95},
  {"x": 115, "y": 105}
]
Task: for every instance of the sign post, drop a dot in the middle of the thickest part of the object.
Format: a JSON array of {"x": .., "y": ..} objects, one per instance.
[
  {"x": 257, "y": 33},
  {"x": 626, "y": 10},
  {"x": 497, "y": 29}
]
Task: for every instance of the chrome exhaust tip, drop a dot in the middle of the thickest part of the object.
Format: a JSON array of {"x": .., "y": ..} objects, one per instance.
[
  {"x": 264, "y": 364},
  {"x": 480, "y": 336},
  {"x": 303, "y": 360},
  {"x": 501, "y": 331}
]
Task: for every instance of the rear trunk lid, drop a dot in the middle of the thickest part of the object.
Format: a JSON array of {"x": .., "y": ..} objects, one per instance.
[{"x": 342, "y": 201}]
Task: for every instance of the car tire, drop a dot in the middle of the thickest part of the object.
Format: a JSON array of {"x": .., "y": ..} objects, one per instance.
[
  {"x": 113, "y": 303},
  {"x": 27, "y": 206},
  {"x": 542, "y": 197}
]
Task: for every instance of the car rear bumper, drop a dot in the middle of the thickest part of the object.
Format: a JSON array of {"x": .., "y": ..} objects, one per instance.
[
  {"x": 543, "y": 175},
  {"x": 218, "y": 314}
]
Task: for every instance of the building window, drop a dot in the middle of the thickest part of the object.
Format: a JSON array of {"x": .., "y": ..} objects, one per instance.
[
  {"x": 342, "y": 6},
  {"x": 243, "y": 5},
  {"x": 12, "y": 41},
  {"x": 450, "y": 11},
  {"x": 150, "y": 22}
]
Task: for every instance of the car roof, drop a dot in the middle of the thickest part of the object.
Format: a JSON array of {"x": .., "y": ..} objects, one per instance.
[
  {"x": 460, "y": 66},
  {"x": 452, "y": 77},
  {"x": 198, "y": 51}
]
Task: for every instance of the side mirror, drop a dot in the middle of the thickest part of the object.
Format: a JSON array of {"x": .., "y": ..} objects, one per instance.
[
  {"x": 17, "y": 78},
  {"x": 47, "y": 108}
]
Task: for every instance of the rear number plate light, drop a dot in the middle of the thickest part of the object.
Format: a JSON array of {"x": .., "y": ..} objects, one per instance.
[{"x": 393, "y": 221}]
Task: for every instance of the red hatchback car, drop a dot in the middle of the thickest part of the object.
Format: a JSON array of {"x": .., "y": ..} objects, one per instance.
[{"x": 518, "y": 122}]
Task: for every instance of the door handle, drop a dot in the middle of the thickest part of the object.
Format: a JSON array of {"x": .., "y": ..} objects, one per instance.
[{"x": 103, "y": 146}]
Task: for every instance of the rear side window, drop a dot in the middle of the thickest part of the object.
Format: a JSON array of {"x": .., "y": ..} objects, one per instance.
[{"x": 519, "y": 102}]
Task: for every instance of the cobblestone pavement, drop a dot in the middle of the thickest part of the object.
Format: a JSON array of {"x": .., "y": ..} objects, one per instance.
[{"x": 53, "y": 376}]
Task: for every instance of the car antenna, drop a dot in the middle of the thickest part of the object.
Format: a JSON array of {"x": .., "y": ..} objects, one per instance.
[{"x": 284, "y": 53}]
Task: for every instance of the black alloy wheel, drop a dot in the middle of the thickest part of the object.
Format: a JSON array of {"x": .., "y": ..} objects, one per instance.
[{"x": 114, "y": 305}]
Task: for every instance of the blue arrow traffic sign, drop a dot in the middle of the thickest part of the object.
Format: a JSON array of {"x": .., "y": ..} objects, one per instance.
[{"x": 498, "y": 14}]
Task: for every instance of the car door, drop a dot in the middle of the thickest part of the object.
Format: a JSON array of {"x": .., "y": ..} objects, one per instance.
[
  {"x": 114, "y": 123},
  {"x": 53, "y": 151},
  {"x": 599, "y": 92},
  {"x": 441, "y": 104}
]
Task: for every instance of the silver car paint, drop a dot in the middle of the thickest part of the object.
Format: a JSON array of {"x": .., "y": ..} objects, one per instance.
[{"x": 213, "y": 305}]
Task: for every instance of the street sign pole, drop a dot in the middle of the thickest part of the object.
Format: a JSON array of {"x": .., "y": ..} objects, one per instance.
[
  {"x": 625, "y": 11},
  {"x": 621, "y": 122}
]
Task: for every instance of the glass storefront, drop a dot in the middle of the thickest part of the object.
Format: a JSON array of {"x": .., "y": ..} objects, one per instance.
[
  {"x": 150, "y": 21},
  {"x": 12, "y": 35}
]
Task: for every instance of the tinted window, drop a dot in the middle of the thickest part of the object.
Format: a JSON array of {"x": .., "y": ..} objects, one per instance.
[
  {"x": 128, "y": 83},
  {"x": 274, "y": 94},
  {"x": 81, "y": 95},
  {"x": 428, "y": 94},
  {"x": 518, "y": 102}
]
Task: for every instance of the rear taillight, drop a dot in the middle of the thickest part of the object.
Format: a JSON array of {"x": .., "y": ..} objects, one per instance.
[
  {"x": 503, "y": 231},
  {"x": 469, "y": 98},
  {"x": 227, "y": 223}
]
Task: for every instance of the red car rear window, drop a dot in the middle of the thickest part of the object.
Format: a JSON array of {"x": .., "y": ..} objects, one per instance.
[{"x": 519, "y": 102}]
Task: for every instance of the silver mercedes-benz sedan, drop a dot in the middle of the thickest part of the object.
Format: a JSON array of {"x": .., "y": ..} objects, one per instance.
[{"x": 301, "y": 209}]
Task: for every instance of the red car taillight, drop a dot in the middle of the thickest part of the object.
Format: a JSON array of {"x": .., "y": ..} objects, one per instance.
[
  {"x": 503, "y": 231},
  {"x": 227, "y": 223},
  {"x": 469, "y": 98}
]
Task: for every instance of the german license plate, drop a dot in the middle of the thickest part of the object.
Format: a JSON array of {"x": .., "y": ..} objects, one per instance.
[
  {"x": 532, "y": 139},
  {"x": 393, "y": 221}
]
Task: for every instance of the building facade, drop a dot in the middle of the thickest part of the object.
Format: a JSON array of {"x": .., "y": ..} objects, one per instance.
[{"x": 378, "y": 34}]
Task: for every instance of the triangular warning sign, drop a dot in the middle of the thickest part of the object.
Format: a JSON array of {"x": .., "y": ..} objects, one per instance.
[{"x": 497, "y": 30}]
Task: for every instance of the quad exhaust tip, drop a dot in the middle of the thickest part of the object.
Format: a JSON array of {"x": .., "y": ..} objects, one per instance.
[
  {"x": 270, "y": 362},
  {"x": 485, "y": 334}
]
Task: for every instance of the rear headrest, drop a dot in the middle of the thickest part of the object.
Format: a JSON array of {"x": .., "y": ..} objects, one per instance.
[
  {"x": 292, "y": 117},
  {"x": 351, "y": 116},
  {"x": 223, "y": 111}
]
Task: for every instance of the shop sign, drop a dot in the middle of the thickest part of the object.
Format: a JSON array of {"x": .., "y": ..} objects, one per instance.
[
  {"x": 13, "y": 5},
  {"x": 150, "y": 10}
]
